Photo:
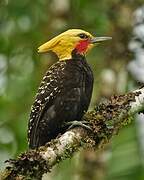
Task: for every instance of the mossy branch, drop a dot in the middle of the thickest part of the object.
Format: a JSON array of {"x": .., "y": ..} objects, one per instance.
[{"x": 105, "y": 121}]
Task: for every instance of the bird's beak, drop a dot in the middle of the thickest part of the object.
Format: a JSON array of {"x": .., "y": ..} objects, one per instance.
[{"x": 99, "y": 39}]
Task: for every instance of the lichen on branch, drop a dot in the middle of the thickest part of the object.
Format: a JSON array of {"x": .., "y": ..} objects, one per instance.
[{"x": 105, "y": 121}]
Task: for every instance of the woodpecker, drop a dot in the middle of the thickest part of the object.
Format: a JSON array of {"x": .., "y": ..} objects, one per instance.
[{"x": 65, "y": 91}]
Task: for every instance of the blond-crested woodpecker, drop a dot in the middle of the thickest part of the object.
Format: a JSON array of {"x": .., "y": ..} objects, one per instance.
[{"x": 65, "y": 91}]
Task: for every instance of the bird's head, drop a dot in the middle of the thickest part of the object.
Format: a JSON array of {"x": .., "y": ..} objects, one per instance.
[{"x": 73, "y": 40}]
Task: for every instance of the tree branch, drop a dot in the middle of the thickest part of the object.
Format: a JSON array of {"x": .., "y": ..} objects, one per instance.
[{"x": 105, "y": 121}]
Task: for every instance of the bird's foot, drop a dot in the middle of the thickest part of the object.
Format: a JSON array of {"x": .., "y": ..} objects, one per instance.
[{"x": 83, "y": 124}]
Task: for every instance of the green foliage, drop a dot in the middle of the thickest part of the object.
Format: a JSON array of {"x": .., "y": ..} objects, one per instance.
[{"x": 125, "y": 163}]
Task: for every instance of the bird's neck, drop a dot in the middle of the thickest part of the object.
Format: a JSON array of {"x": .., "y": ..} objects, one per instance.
[
  {"x": 68, "y": 54},
  {"x": 77, "y": 56}
]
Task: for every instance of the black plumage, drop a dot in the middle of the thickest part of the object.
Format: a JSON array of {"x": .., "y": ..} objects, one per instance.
[{"x": 64, "y": 95}]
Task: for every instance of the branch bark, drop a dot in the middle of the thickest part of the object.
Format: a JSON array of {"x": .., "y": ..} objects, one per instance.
[{"x": 105, "y": 121}]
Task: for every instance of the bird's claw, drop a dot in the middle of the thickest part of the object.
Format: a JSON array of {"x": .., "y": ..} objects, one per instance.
[{"x": 83, "y": 124}]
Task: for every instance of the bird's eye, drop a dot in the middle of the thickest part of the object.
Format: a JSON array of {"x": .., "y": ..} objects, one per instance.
[{"x": 83, "y": 36}]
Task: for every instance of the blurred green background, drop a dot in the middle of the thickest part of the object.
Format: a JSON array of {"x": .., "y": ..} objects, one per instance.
[{"x": 24, "y": 25}]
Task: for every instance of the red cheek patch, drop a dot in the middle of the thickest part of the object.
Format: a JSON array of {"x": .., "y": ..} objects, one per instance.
[{"x": 82, "y": 46}]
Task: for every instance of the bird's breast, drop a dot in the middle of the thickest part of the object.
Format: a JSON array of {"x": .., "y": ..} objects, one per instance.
[{"x": 81, "y": 75}]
